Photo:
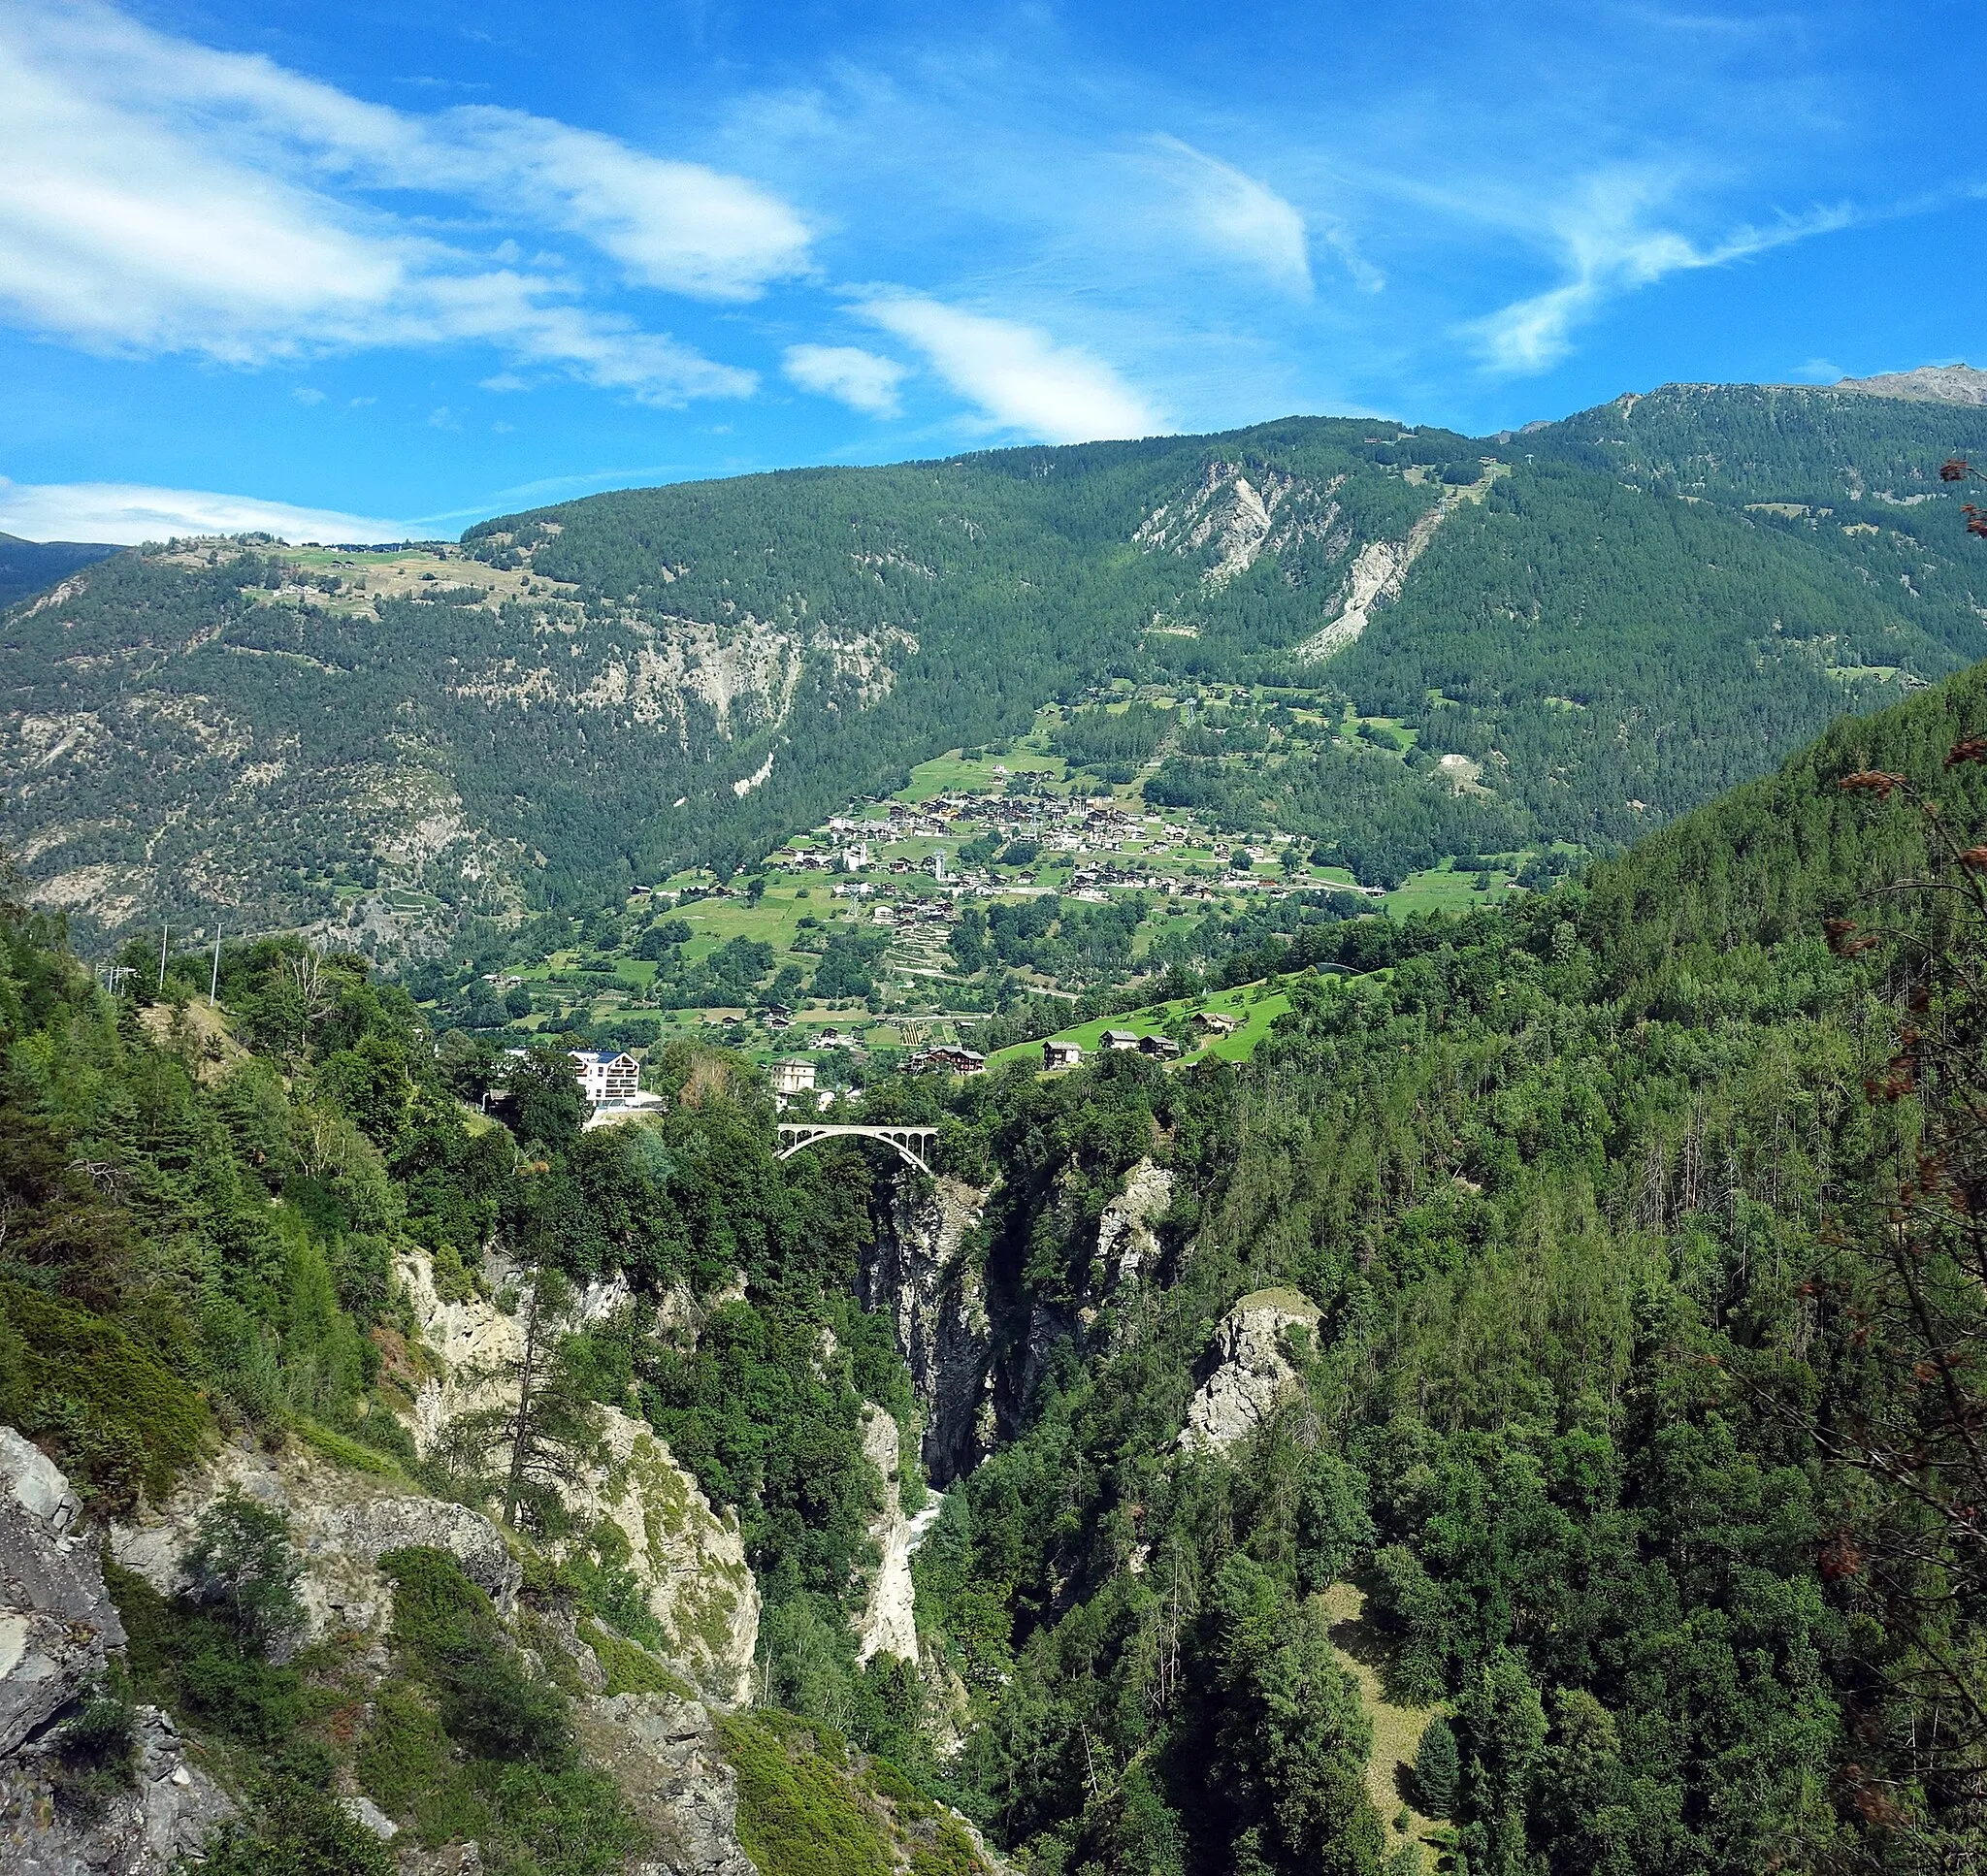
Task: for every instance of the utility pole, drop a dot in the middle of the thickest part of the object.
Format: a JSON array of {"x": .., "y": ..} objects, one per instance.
[
  {"x": 163, "y": 931},
  {"x": 214, "y": 982}
]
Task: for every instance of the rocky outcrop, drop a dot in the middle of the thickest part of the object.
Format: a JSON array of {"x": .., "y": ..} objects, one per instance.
[
  {"x": 888, "y": 1624},
  {"x": 1125, "y": 1245},
  {"x": 689, "y": 1561},
  {"x": 922, "y": 1274},
  {"x": 1251, "y": 1369},
  {"x": 148, "y": 1829},
  {"x": 666, "y": 1755},
  {"x": 342, "y": 1523},
  {"x": 56, "y": 1621},
  {"x": 57, "y": 1627}
]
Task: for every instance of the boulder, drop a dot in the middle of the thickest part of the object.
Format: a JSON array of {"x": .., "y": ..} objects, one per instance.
[{"x": 1250, "y": 1370}]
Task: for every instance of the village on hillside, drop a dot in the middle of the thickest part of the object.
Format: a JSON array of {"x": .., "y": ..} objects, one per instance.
[{"x": 896, "y": 933}]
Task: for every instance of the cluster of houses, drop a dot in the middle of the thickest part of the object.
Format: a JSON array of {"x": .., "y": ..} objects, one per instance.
[{"x": 1059, "y": 1054}]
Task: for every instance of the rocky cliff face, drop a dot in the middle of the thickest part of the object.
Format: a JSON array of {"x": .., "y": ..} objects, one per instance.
[
  {"x": 666, "y": 1754},
  {"x": 58, "y": 1629},
  {"x": 341, "y": 1523},
  {"x": 922, "y": 1274},
  {"x": 1250, "y": 1370},
  {"x": 889, "y": 1622},
  {"x": 1126, "y": 1244},
  {"x": 690, "y": 1562}
]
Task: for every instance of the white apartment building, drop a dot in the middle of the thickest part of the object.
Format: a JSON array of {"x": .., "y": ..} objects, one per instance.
[{"x": 605, "y": 1077}]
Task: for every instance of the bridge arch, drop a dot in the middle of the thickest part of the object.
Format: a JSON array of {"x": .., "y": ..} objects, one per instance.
[{"x": 905, "y": 1141}]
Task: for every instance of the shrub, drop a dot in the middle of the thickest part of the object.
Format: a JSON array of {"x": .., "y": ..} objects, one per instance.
[
  {"x": 799, "y": 1814},
  {"x": 240, "y": 1565},
  {"x": 629, "y": 1666},
  {"x": 95, "y": 1755},
  {"x": 121, "y": 1420},
  {"x": 446, "y": 1627},
  {"x": 405, "y": 1764},
  {"x": 294, "y": 1831}
]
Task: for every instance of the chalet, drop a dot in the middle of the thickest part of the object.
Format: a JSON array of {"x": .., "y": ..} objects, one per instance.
[
  {"x": 1161, "y": 1048},
  {"x": 1061, "y": 1055},
  {"x": 1118, "y": 1039},
  {"x": 949, "y": 1056},
  {"x": 604, "y": 1076},
  {"x": 1214, "y": 1022}
]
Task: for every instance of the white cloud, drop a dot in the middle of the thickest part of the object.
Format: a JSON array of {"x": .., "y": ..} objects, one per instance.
[
  {"x": 1238, "y": 215},
  {"x": 859, "y": 380},
  {"x": 1019, "y": 377},
  {"x": 307, "y": 394},
  {"x": 128, "y": 513},
  {"x": 158, "y": 196},
  {"x": 678, "y": 226},
  {"x": 1609, "y": 249}
]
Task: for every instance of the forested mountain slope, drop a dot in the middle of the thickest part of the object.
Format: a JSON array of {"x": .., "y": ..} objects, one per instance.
[
  {"x": 1519, "y": 1422},
  {"x": 1604, "y": 621}
]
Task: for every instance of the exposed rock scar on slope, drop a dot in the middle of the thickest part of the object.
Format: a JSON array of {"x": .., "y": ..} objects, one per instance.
[
  {"x": 1239, "y": 519},
  {"x": 1379, "y": 570}
]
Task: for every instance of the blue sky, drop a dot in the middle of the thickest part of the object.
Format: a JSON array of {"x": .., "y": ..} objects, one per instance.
[{"x": 357, "y": 269}]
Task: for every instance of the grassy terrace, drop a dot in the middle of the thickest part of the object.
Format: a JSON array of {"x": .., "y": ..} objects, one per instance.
[{"x": 1256, "y": 1006}]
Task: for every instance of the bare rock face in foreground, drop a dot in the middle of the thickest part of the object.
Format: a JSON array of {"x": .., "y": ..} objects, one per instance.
[
  {"x": 341, "y": 1522},
  {"x": 666, "y": 1755},
  {"x": 56, "y": 1621},
  {"x": 1251, "y": 1372},
  {"x": 57, "y": 1627},
  {"x": 689, "y": 1560}
]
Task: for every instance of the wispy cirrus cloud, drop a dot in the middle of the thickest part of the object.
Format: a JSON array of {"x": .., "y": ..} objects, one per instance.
[
  {"x": 157, "y": 196},
  {"x": 850, "y": 376},
  {"x": 1611, "y": 246},
  {"x": 1235, "y": 213},
  {"x": 128, "y": 513},
  {"x": 1017, "y": 377}
]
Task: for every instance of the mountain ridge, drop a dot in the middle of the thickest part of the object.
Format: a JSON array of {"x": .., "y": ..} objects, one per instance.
[{"x": 688, "y": 675}]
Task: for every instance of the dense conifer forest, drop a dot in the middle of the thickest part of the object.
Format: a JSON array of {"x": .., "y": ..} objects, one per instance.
[{"x": 1627, "y": 1244}]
